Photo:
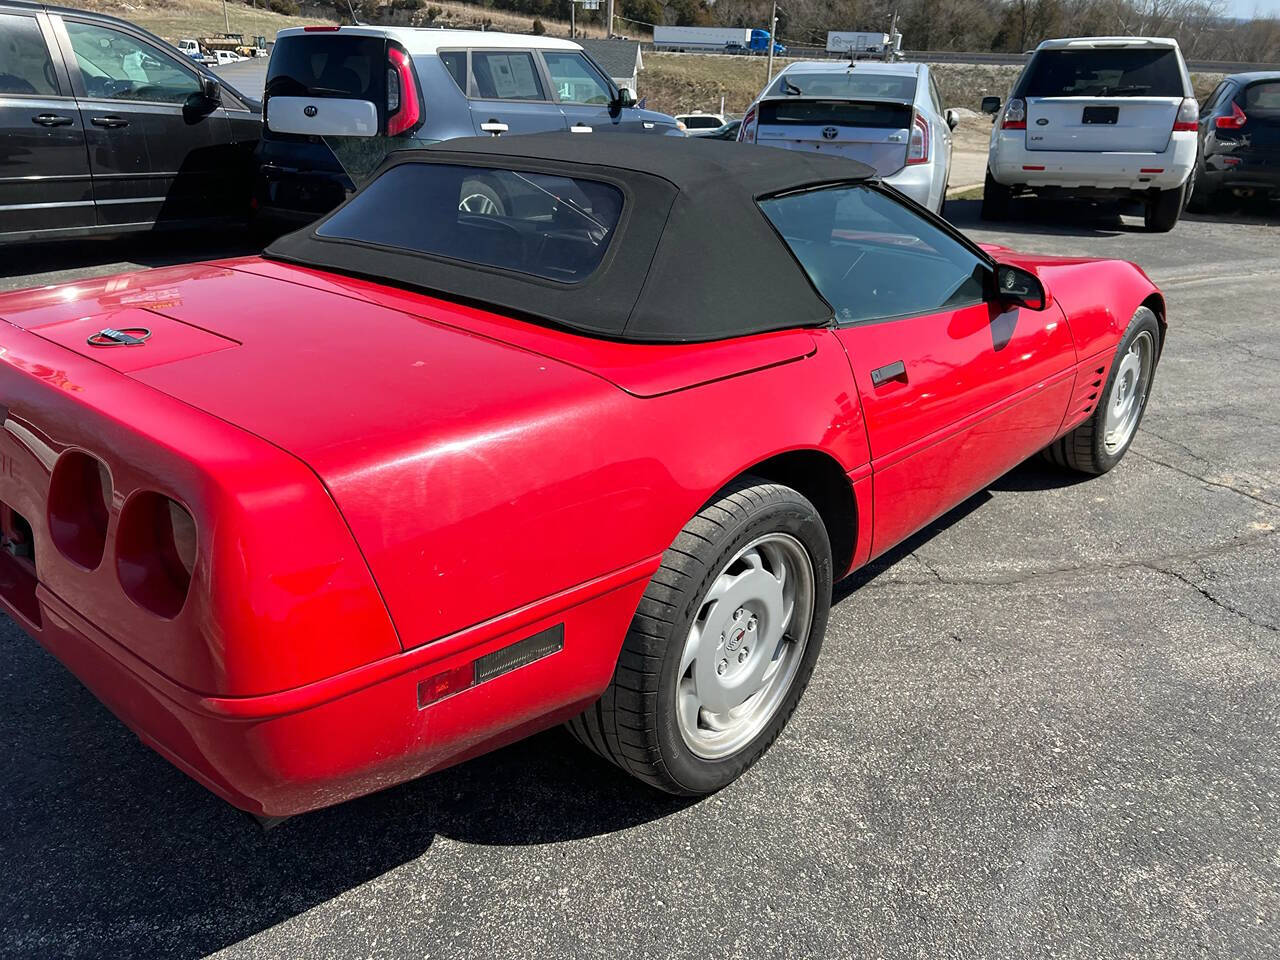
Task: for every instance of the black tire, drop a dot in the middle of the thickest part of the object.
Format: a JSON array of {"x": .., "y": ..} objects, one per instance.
[
  {"x": 634, "y": 724},
  {"x": 1164, "y": 209},
  {"x": 1199, "y": 198},
  {"x": 997, "y": 199},
  {"x": 1084, "y": 449}
]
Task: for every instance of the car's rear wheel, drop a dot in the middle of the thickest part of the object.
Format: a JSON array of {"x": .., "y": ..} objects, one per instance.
[
  {"x": 996, "y": 199},
  {"x": 1164, "y": 209},
  {"x": 1100, "y": 442},
  {"x": 1199, "y": 197},
  {"x": 722, "y": 645},
  {"x": 482, "y": 199}
]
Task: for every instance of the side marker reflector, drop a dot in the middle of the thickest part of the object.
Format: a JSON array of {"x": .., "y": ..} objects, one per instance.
[{"x": 491, "y": 665}]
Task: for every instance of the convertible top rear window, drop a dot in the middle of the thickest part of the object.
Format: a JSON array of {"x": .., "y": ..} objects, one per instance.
[{"x": 556, "y": 228}]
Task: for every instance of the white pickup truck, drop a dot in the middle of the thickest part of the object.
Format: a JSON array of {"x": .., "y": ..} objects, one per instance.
[{"x": 1096, "y": 117}]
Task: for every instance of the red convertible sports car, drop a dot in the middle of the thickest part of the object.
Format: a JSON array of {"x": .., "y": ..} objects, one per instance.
[{"x": 530, "y": 430}]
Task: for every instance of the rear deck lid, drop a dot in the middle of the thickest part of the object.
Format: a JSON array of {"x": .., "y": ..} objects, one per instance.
[{"x": 1102, "y": 98}]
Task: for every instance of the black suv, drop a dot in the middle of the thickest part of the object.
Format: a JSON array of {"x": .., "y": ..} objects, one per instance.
[{"x": 107, "y": 129}]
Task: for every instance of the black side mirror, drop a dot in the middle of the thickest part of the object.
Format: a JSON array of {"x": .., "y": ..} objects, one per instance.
[
  {"x": 991, "y": 105},
  {"x": 203, "y": 102},
  {"x": 624, "y": 100},
  {"x": 1020, "y": 288},
  {"x": 953, "y": 119}
]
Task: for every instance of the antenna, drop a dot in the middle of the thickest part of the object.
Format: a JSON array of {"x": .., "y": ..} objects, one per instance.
[{"x": 354, "y": 19}]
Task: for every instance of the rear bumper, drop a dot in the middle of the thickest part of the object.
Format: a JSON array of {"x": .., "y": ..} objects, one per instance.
[
  {"x": 296, "y": 196},
  {"x": 1012, "y": 164},
  {"x": 355, "y": 733},
  {"x": 1242, "y": 170},
  {"x": 916, "y": 182}
]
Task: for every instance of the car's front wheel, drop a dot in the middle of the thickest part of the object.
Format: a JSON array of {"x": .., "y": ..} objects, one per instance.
[
  {"x": 722, "y": 645},
  {"x": 1100, "y": 442}
]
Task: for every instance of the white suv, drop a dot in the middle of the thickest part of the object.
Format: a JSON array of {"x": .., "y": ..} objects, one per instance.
[{"x": 1097, "y": 117}]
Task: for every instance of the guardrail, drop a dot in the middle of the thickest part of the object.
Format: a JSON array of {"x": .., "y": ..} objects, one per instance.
[{"x": 795, "y": 51}]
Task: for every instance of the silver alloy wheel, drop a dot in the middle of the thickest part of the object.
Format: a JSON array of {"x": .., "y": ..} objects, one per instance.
[
  {"x": 745, "y": 646},
  {"x": 1128, "y": 393},
  {"x": 478, "y": 203}
]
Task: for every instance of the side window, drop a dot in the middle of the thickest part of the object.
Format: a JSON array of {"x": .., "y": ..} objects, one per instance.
[
  {"x": 935, "y": 96},
  {"x": 455, "y": 61},
  {"x": 872, "y": 257},
  {"x": 503, "y": 75},
  {"x": 575, "y": 79},
  {"x": 115, "y": 66},
  {"x": 25, "y": 67},
  {"x": 1212, "y": 99}
]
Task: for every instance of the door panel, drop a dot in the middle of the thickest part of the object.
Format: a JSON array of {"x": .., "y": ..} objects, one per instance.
[
  {"x": 507, "y": 90},
  {"x": 981, "y": 390},
  {"x": 44, "y": 169},
  {"x": 955, "y": 388},
  {"x": 584, "y": 95},
  {"x": 153, "y": 157}
]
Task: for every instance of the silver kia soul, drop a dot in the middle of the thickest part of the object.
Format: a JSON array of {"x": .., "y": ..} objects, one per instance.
[{"x": 337, "y": 99}]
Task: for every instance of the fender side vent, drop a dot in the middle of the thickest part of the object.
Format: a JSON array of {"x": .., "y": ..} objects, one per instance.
[{"x": 520, "y": 654}]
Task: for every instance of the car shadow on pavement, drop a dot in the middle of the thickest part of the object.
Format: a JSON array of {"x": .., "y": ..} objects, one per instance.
[
  {"x": 1031, "y": 475},
  {"x": 110, "y": 851},
  {"x": 1032, "y": 215}
]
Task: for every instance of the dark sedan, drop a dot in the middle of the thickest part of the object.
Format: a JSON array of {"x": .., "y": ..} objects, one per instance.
[{"x": 1239, "y": 140}]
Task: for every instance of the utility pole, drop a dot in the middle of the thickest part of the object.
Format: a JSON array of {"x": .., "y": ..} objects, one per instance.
[
  {"x": 573, "y": 30},
  {"x": 608, "y": 26},
  {"x": 773, "y": 30},
  {"x": 893, "y": 32},
  {"x": 226, "y": 17}
]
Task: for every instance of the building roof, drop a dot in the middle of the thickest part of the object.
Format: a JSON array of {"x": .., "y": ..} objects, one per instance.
[
  {"x": 667, "y": 276},
  {"x": 423, "y": 41},
  {"x": 620, "y": 58}
]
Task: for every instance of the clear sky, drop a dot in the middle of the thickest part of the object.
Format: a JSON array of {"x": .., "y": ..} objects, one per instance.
[{"x": 1247, "y": 8}]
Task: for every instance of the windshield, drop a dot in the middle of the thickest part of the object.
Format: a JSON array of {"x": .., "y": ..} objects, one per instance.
[
  {"x": 849, "y": 83},
  {"x": 1104, "y": 73},
  {"x": 556, "y": 228}
]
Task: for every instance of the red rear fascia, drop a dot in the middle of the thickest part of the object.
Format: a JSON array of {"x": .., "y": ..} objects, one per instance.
[{"x": 280, "y": 595}]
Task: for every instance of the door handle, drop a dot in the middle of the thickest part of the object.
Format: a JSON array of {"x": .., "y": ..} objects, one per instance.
[
  {"x": 494, "y": 126},
  {"x": 52, "y": 120},
  {"x": 893, "y": 371},
  {"x": 110, "y": 123}
]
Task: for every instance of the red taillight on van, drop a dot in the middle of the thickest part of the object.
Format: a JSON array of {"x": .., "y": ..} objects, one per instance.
[
  {"x": 1015, "y": 115},
  {"x": 403, "y": 109},
  {"x": 747, "y": 132},
  {"x": 1188, "y": 117},
  {"x": 918, "y": 150},
  {"x": 1233, "y": 122}
]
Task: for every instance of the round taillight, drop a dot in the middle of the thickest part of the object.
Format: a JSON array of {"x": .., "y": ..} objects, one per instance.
[
  {"x": 156, "y": 552},
  {"x": 79, "y": 497}
]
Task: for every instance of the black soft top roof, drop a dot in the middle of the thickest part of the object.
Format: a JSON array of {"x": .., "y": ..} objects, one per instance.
[{"x": 693, "y": 257}]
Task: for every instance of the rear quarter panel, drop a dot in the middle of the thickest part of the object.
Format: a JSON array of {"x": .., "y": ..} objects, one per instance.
[{"x": 548, "y": 498}]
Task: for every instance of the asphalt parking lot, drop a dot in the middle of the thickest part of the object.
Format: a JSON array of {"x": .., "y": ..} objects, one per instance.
[{"x": 1049, "y": 725}]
